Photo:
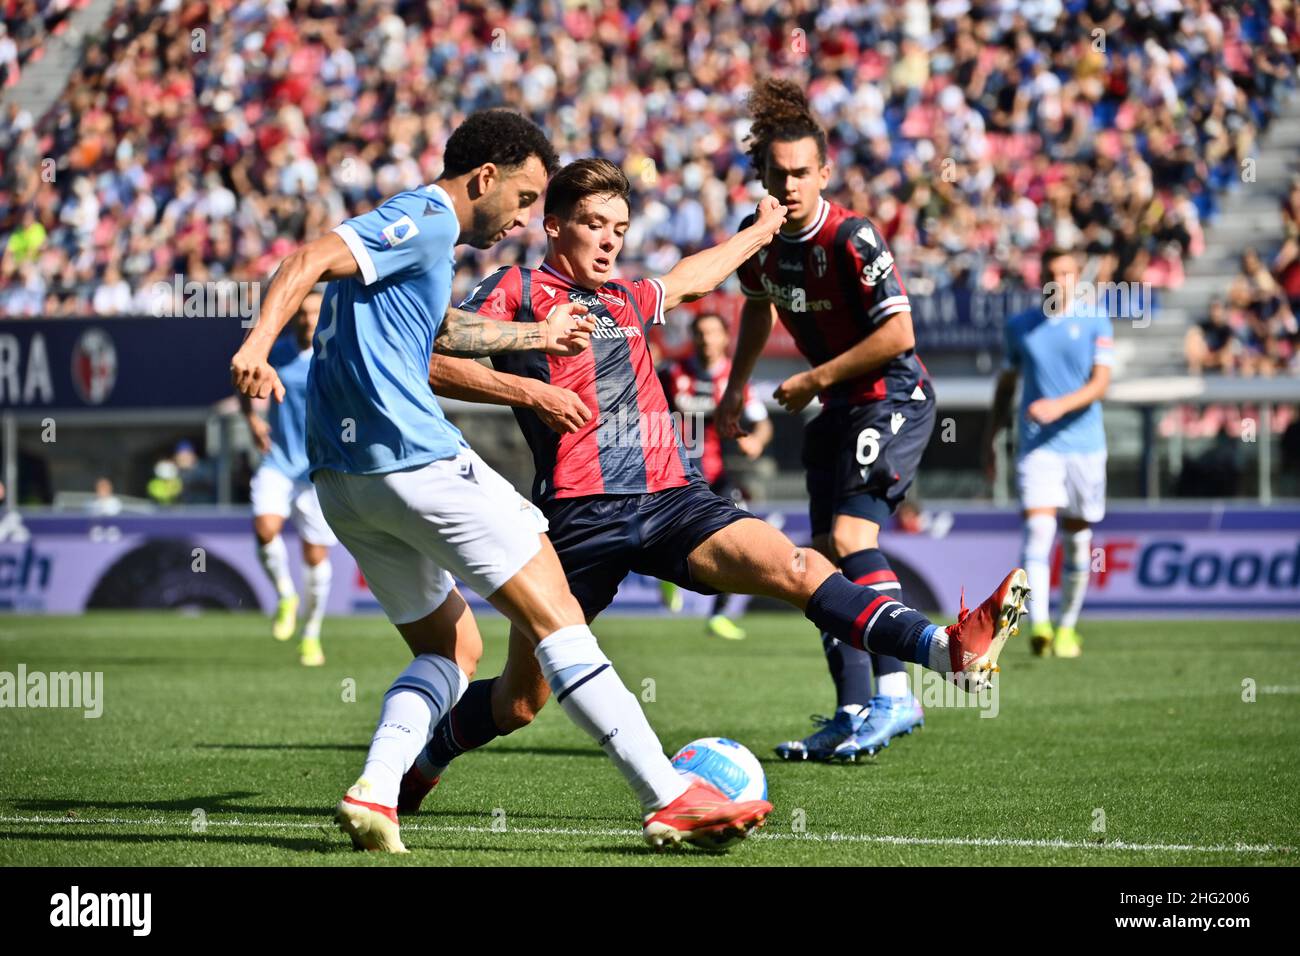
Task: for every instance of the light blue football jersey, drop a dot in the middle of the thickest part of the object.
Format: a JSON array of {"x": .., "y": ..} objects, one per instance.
[
  {"x": 1055, "y": 356},
  {"x": 288, "y": 418},
  {"x": 369, "y": 406}
]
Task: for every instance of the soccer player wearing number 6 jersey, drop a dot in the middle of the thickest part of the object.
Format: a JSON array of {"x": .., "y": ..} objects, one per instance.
[
  {"x": 831, "y": 280},
  {"x": 1064, "y": 353},
  {"x": 619, "y": 492}
]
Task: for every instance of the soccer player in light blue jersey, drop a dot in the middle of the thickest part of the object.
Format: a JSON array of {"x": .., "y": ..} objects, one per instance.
[
  {"x": 1064, "y": 353},
  {"x": 281, "y": 489},
  {"x": 412, "y": 502}
]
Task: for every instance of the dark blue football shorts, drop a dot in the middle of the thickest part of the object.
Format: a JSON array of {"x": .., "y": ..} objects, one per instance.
[
  {"x": 601, "y": 538},
  {"x": 861, "y": 459}
]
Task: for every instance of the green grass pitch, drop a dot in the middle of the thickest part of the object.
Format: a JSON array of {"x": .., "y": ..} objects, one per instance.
[{"x": 216, "y": 748}]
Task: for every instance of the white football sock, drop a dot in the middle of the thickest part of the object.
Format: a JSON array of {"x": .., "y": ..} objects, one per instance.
[
  {"x": 418, "y": 699},
  {"x": 316, "y": 582},
  {"x": 940, "y": 660},
  {"x": 585, "y": 685},
  {"x": 853, "y": 709},
  {"x": 275, "y": 560},
  {"x": 1036, "y": 555},
  {"x": 893, "y": 685},
  {"x": 1074, "y": 580}
]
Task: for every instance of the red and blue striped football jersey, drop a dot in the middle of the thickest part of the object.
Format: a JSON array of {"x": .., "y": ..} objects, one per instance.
[
  {"x": 631, "y": 445},
  {"x": 833, "y": 284}
]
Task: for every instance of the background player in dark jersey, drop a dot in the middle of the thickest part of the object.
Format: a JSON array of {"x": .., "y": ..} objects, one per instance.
[
  {"x": 832, "y": 281},
  {"x": 619, "y": 492},
  {"x": 695, "y": 385}
]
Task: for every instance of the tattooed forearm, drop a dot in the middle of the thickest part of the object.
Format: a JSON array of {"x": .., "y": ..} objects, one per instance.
[{"x": 466, "y": 335}]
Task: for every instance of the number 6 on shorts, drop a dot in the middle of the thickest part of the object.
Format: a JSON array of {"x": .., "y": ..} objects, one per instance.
[{"x": 868, "y": 446}]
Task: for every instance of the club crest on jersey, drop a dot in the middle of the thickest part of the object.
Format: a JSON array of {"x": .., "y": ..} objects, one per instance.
[
  {"x": 396, "y": 233},
  {"x": 819, "y": 261}
]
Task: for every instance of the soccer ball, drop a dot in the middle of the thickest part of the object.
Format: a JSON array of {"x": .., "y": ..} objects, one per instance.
[{"x": 725, "y": 764}]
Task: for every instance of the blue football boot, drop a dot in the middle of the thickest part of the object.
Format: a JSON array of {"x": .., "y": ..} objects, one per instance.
[
  {"x": 821, "y": 743},
  {"x": 889, "y": 717}
]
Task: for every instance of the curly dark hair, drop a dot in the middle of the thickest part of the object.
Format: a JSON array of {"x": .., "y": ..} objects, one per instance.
[
  {"x": 583, "y": 178},
  {"x": 498, "y": 136},
  {"x": 781, "y": 114}
]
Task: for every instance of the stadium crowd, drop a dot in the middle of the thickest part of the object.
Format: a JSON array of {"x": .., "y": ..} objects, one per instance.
[
  {"x": 206, "y": 139},
  {"x": 25, "y": 26},
  {"x": 1254, "y": 330}
]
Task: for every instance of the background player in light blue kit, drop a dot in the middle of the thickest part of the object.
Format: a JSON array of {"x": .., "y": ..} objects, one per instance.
[
  {"x": 282, "y": 489},
  {"x": 1064, "y": 352}
]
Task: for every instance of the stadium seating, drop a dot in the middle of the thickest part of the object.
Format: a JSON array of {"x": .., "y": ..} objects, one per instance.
[{"x": 973, "y": 133}]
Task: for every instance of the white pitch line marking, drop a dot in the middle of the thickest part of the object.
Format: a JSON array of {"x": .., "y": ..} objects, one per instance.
[{"x": 762, "y": 835}]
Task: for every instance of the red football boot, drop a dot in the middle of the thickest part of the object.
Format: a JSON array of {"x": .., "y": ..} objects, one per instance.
[
  {"x": 704, "y": 817},
  {"x": 976, "y": 640}
]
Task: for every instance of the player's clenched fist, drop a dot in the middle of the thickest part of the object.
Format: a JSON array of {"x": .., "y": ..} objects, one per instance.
[
  {"x": 253, "y": 376},
  {"x": 796, "y": 392},
  {"x": 568, "y": 329},
  {"x": 770, "y": 215}
]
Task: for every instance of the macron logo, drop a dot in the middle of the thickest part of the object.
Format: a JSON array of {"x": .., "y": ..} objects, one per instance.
[
  {"x": 396, "y": 233},
  {"x": 103, "y": 909}
]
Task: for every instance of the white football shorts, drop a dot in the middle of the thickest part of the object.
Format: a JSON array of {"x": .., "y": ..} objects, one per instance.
[
  {"x": 275, "y": 493},
  {"x": 408, "y": 529},
  {"x": 1073, "y": 483}
]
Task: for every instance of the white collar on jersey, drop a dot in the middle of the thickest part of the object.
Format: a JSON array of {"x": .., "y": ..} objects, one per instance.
[
  {"x": 819, "y": 220},
  {"x": 545, "y": 267},
  {"x": 446, "y": 197}
]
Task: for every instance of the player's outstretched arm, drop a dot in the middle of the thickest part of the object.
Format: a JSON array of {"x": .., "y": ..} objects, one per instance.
[
  {"x": 757, "y": 317},
  {"x": 321, "y": 259},
  {"x": 700, "y": 274},
  {"x": 566, "y": 330},
  {"x": 469, "y": 381},
  {"x": 891, "y": 338}
]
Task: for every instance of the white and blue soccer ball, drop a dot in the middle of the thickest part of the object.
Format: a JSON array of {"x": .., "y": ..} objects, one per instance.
[{"x": 725, "y": 764}]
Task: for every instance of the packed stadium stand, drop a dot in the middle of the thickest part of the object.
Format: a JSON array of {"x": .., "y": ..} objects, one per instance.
[{"x": 205, "y": 140}]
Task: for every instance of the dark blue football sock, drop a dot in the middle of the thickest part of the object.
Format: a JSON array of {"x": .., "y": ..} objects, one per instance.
[
  {"x": 871, "y": 567},
  {"x": 869, "y": 620},
  {"x": 850, "y": 670},
  {"x": 467, "y": 726}
]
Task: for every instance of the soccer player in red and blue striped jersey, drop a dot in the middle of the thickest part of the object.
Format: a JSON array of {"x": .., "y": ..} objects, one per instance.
[
  {"x": 831, "y": 280},
  {"x": 618, "y": 489}
]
